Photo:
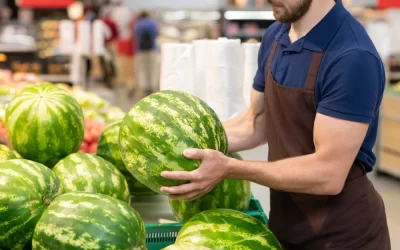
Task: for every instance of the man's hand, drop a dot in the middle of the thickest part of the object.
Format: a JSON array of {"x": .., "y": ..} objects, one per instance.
[{"x": 202, "y": 180}]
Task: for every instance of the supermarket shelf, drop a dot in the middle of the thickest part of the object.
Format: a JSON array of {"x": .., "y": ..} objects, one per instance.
[
  {"x": 395, "y": 75},
  {"x": 55, "y": 78}
]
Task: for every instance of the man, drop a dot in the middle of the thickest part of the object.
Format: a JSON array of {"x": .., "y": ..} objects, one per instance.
[
  {"x": 146, "y": 59},
  {"x": 316, "y": 102}
]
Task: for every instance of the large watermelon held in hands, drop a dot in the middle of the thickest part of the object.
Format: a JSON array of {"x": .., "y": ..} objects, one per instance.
[
  {"x": 108, "y": 149},
  {"x": 229, "y": 194},
  {"x": 90, "y": 173},
  {"x": 27, "y": 188},
  {"x": 156, "y": 131},
  {"x": 81, "y": 220},
  {"x": 225, "y": 229},
  {"x": 44, "y": 124},
  {"x": 8, "y": 154}
]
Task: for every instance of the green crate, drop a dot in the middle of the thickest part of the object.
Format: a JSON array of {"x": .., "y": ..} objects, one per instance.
[{"x": 160, "y": 236}]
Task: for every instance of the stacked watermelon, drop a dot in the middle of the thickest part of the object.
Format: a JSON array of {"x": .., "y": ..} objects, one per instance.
[
  {"x": 8, "y": 154},
  {"x": 108, "y": 149},
  {"x": 26, "y": 190},
  {"x": 229, "y": 194},
  {"x": 225, "y": 229},
  {"x": 156, "y": 131},
  {"x": 44, "y": 124},
  {"x": 81, "y": 220},
  {"x": 71, "y": 200},
  {"x": 90, "y": 173}
]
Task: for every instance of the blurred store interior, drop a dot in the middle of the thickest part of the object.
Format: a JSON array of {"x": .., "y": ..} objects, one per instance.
[{"x": 92, "y": 46}]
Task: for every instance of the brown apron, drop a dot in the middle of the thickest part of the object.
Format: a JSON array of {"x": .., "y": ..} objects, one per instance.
[{"x": 353, "y": 220}]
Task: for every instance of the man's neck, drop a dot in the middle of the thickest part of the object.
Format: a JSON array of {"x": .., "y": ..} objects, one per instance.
[{"x": 315, "y": 14}]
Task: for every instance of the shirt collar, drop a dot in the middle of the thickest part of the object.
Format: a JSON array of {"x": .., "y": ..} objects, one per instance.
[{"x": 319, "y": 36}]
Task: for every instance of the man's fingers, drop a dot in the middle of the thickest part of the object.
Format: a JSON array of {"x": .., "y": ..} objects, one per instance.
[
  {"x": 182, "y": 189},
  {"x": 177, "y": 175},
  {"x": 186, "y": 197},
  {"x": 194, "y": 153}
]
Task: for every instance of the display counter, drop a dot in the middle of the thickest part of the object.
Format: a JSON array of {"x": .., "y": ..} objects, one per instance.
[{"x": 388, "y": 150}]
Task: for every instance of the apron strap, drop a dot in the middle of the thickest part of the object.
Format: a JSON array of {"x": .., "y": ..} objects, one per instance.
[
  {"x": 272, "y": 54},
  {"x": 313, "y": 71}
]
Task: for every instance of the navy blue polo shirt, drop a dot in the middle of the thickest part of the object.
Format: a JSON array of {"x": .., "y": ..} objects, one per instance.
[{"x": 351, "y": 78}]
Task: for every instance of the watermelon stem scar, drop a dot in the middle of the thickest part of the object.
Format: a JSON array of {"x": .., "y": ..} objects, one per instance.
[{"x": 46, "y": 201}]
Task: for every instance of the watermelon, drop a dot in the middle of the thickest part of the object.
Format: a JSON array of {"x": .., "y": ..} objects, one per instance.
[
  {"x": 231, "y": 194},
  {"x": 158, "y": 128},
  {"x": 225, "y": 229},
  {"x": 108, "y": 149},
  {"x": 26, "y": 189},
  {"x": 44, "y": 124},
  {"x": 186, "y": 246},
  {"x": 81, "y": 220},
  {"x": 8, "y": 154},
  {"x": 90, "y": 173}
]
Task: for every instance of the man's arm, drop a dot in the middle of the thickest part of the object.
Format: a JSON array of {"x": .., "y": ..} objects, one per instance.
[
  {"x": 324, "y": 172},
  {"x": 247, "y": 130}
]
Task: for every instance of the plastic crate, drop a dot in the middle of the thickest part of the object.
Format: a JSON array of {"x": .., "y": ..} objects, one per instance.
[{"x": 160, "y": 236}]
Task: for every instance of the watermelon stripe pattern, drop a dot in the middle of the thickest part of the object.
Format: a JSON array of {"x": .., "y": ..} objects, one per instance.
[
  {"x": 90, "y": 173},
  {"x": 186, "y": 246},
  {"x": 26, "y": 189},
  {"x": 156, "y": 131},
  {"x": 44, "y": 124},
  {"x": 108, "y": 149},
  {"x": 8, "y": 154},
  {"x": 81, "y": 220},
  {"x": 232, "y": 194},
  {"x": 229, "y": 194},
  {"x": 227, "y": 229}
]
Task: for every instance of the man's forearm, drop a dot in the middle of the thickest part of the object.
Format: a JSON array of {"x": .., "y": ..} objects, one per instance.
[
  {"x": 244, "y": 133},
  {"x": 305, "y": 174}
]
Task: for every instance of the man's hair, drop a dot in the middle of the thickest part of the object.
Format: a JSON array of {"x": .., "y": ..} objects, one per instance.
[{"x": 143, "y": 14}]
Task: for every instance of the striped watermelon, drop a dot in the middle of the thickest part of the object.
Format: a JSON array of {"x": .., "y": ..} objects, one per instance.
[
  {"x": 225, "y": 229},
  {"x": 81, "y": 220},
  {"x": 26, "y": 190},
  {"x": 156, "y": 131},
  {"x": 44, "y": 124},
  {"x": 186, "y": 246},
  {"x": 108, "y": 149},
  {"x": 8, "y": 154},
  {"x": 90, "y": 173},
  {"x": 230, "y": 194}
]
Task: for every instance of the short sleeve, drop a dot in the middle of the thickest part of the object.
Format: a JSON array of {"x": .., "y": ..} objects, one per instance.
[
  {"x": 259, "y": 79},
  {"x": 352, "y": 87}
]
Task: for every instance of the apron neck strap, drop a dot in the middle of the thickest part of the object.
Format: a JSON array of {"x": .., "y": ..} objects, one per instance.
[
  {"x": 272, "y": 54},
  {"x": 313, "y": 71}
]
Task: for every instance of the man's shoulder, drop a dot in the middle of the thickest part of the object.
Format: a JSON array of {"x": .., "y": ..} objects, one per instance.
[{"x": 352, "y": 40}]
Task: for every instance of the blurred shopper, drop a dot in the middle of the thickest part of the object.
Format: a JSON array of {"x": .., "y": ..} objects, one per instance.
[
  {"x": 147, "y": 57},
  {"x": 123, "y": 16},
  {"x": 111, "y": 35}
]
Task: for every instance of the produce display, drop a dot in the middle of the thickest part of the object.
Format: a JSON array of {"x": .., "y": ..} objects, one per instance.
[
  {"x": 83, "y": 220},
  {"x": 90, "y": 173},
  {"x": 108, "y": 149},
  {"x": 93, "y": 130},
  {"x": 44, "y": 124},
  {"x": 229, "y": 194},
  {"x": 156, "y": 131},
  {"x": 225, "y": 229},
  {"x": 8, "y": 154},
  {"x": 68, "y": 174},
  {"x": 26, "y": 190}
]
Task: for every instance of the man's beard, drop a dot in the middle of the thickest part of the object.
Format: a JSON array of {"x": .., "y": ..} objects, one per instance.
[{"x": 285, "y": 15}]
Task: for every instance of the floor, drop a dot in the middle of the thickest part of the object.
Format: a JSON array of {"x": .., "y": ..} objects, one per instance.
[{"x": 388, "y": 187}]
